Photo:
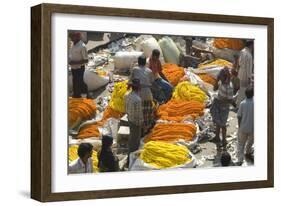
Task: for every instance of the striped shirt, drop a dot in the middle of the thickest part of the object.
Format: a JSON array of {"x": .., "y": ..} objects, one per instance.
[{"x": 133, "y": 106}]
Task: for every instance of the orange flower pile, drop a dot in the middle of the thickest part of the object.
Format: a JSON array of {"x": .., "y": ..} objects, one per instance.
[
  {"x": 173, "y": 73},
  {"x": 80, "y": 109},
  {"x": 207, "y": 78},
  {"x": 171, "y": 132},
  {"x": 89, "y": 130},
  {"x": 221, "y": 43},
  {"x": 178, "y": 110},
  {"x": 109, "y": 113}
]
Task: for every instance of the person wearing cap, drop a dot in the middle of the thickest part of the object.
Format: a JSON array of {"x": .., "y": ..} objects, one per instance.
[
  {"x": 133, "y": 108},
  {"x": 108, "y": 162},
  {"x": 78, "y": 57},
  {"x": 146, "y": 79},
  {"x": 245, "y": 69},
  {"x": 83, "y": 164}
]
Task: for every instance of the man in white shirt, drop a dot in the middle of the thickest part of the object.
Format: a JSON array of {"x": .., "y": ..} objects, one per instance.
[
  {"x": 78, "y": 57},
  {"x": 246, "y": 126},
  {"x": 83, "y": 164},
  {"x": 245, "y": 69}
]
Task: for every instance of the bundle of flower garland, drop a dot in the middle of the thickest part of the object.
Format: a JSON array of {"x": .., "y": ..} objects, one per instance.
[
  {"x": 188, "y": 92},
  {"x": 92, "y": 130},
  {"x": 111, "y": 113},
  {"x": 73, "y": 155},
  {"x": 217, "y": 62},
  {"x": 208, "y": 79},
  {"x": 117, "y": 101},
  {"x": 164, "y": 155},
  {"x": 173, "y": 73},
  {"x": 80, "y": 109},
  {"x": 178, "y": 110},
  {"x": 170, "y": 132},
  {"x": 222, "y": 43},
  {"x": 89, "y": 130}
]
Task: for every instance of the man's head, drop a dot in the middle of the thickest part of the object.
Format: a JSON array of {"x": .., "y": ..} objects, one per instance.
[
  {"x": 234, "y": 72},
  {"x": 107, "y": 141},
  {"x": 135, "y": 85},
  {"x": 249, "y": 92},
  {"x": 224, "y": 75},
  {"x": 225, "y": 159},
  {"x": 142, "y": 60},
  {"x": 85, "y": 151},
  {"x": 155, "y": 54},
  {"x": 75, "y": 37},
  {"x": 249, "y": 44}
]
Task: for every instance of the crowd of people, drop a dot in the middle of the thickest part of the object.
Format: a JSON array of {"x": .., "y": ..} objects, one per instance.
[{"x": 150, "y": 87}]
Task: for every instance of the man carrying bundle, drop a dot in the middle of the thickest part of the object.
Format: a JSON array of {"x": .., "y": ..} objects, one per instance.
[{"x": 161, "y": 82}]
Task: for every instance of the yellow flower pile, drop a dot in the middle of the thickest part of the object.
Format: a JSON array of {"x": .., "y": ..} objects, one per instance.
[
  {"x": 186, "y": 91},
  {"x": 72, "y": 155},
  {"x": 117, "y": 101},
  {"x": 217, "y": 62},
  {"x": 164, "y": 155}
]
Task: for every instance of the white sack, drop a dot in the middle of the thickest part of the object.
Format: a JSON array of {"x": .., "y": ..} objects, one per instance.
[
  {"x": 92, "y": 79},
  {"x": 170, "y": 50},
  {"x": 148, "y": 45},
  {"x": 124, "y": 61}
]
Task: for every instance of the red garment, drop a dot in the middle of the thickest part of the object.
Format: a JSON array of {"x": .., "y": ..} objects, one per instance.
[{"x": 155, "y": 65}]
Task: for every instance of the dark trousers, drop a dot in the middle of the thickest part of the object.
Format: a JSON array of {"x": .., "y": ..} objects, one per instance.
[
  {"x": 134, "y": 139},
  {"x": 135, "y": 135},
  {"x": 79, "y": 86}
]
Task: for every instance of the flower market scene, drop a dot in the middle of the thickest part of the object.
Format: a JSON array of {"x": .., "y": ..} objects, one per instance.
[{"x": 140, "y": 102}]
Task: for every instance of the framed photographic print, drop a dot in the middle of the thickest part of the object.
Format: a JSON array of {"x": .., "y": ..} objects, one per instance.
[{"x": 130, "y": 102}]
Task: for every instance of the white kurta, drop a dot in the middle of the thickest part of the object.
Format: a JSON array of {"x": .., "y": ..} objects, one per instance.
[
  {"x": 245, "y": 66},
  {"x": 77, "y": 166},
  {"x": 245, "y": 72},
  {"x": 78, "y": 52}
]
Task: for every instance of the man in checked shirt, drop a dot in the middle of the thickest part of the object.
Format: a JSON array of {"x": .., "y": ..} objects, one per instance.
[{"x": 133, "y": 106}]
